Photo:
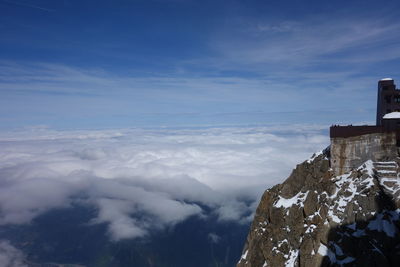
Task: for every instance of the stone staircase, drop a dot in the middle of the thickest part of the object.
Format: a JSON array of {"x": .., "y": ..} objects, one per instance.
[
  {"x": 386, "y": 172},
  {"x": 386, "y": 169}
]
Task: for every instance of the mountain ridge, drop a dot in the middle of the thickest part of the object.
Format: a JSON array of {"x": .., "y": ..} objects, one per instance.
[{"x": 317, "y": 218}]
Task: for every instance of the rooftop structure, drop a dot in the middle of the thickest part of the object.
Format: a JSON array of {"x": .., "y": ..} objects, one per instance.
[
  {"x": 353, "y": 145},
  {"x": 387, "y": 114},
  {"x": 388, "y": 99}
]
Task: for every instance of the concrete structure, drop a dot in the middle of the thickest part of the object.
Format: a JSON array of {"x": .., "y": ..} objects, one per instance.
[
  {"x": 348, "y": 153},
  {"x": 353, "y": 145}
]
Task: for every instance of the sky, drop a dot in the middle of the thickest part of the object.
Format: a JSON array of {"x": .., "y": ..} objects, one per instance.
[{"x": 179, "y": 63}]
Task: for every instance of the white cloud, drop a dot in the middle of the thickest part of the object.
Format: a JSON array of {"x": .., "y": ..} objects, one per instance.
[
  {"x": 10, "y": 256},
  {"x": 144, "y": 179},
  {"x": 214, "y": 238}
]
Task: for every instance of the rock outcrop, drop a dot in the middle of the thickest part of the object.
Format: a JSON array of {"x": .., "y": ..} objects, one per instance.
[{"x": 317, "y": 219}]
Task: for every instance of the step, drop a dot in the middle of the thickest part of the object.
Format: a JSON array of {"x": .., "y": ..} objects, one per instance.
[
  {"x": 385, "y": 166},
  {"x": 385, "y": 162},
  {"x": 386, "y": 171},
  {"x": 387, "y": 175}
]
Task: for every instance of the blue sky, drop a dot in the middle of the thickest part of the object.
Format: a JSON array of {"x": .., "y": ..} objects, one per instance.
[{"x": 106, "y": 64}]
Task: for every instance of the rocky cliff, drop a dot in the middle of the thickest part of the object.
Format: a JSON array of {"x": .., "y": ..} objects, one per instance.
[{"x": 317, "y": 219}]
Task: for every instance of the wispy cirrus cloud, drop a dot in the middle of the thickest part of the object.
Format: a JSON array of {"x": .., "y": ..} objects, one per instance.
[
  {"x": 85, "y": 97},
  {"x": 28, "y": 5},
  {"x": 252, "y": 69},
  {"x": 308, "y": 41}
]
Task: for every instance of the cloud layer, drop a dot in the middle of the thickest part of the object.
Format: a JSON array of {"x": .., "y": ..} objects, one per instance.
[{"x": 147, "y": 179}]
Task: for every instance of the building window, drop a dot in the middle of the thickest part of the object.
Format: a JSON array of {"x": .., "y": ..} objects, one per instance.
[
  {"x": 388, "y": 98},
  {"x": 385, "y": 87},
  {"x": 388, "y": 111},
  {"x": 397, "y": 99}
]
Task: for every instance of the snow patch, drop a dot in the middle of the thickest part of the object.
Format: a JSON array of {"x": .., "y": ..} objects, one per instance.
[
  {"x": 288, "y": 202},
  {"x": 280, "y": 243},
  {"x": 391, "y": 189},
  {"x": 293, "y": 254},
  {"x": 314, "y": 156},
  {"x": 244, "y": 256},
  {"x": 359, "y": 233},
  {"x": 325, "y": 251},
  {"x": 310, "y": 229},
  {"x": 338, "y": 249},
  {"x": 392, "y": 115},
  {"x": 382, "y": 225}
]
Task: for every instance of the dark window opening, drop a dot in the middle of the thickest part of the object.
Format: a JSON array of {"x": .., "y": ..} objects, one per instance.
[
  {"x": 388, "y": 98},
  {"x": 385, "y": 87},
  {"x": 388, "y": 111},
  {"x": 397, "y": 99},
  {"x": 398, "y": 143}
]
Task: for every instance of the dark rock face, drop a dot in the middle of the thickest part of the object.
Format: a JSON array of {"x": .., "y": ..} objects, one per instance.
[{"x": 317, "y": 219}]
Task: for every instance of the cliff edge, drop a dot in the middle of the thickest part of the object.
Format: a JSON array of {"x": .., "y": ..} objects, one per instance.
[{"x": 316, "y": 218}]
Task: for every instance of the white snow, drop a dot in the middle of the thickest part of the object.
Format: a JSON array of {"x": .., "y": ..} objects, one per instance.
[
  {"x": 314, "y": 156},
  {"x": 368, "y": 166},
  {"x": 244, "y": 256},
  {"x": 325, "y": 251},
  {"x": 338, "y": 250},
  {"x": 322, "y": 250},
  {"x": 386, "y": 79},
  {"x": 347, "y": 186},
  {"x": 288, "y": 202},
  {"x": 352, "y": 226},
  {"x": 345, "y": 260},
  {"x": 387, "y": 171},
  {"x": 261, "y": 227},
  {"x": 280, "y": 243},
  {"x": 382, "y": 225},
  {"x": 359, "y": 233},
  {"x": 395, "y": 214},
  {"x": 292, "y": 258},
  {"x": 392, "y": 115},
  {"x": 333, "y": 216},
  {"x": 310, "y": 229}
]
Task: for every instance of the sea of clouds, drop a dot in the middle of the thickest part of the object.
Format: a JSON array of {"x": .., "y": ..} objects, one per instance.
[{"x": 165, "y": 175}]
